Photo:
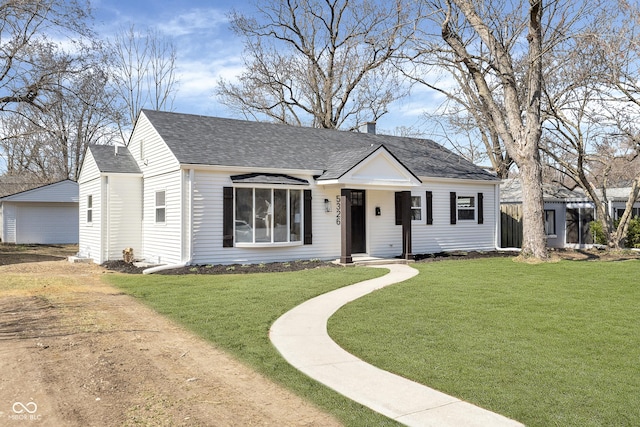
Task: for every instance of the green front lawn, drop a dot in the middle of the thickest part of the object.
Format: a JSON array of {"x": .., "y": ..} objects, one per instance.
[
  {"x": 235, "y": 312},
  {"x": 555, "y": 344}
]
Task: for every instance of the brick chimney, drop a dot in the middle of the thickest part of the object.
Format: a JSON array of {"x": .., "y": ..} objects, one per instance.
[{"x": 371, "y": 127}]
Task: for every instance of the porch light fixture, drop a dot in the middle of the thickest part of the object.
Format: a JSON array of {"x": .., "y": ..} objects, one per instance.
[{"x": 327, "y": 205}]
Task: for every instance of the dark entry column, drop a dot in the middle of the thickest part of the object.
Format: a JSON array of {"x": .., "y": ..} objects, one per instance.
[
  {"x": 405, "y": 197},
  {"x": 345, "y": 226}
]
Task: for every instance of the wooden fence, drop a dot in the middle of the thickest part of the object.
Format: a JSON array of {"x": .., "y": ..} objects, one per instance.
[{"x": 511, "y": 226}]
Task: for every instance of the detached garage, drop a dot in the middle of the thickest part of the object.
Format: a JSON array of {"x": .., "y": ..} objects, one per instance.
[{"x": 44, "y": 215}]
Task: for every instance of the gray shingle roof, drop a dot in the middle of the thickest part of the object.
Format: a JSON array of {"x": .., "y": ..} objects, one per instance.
[
  {"x": 108, "y": 161},
  {"x": 511, "y": 192},
  {"x": 205, "y": 140}
]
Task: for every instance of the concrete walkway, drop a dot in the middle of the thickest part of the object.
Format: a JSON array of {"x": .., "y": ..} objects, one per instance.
[{"x": 301, "y": 337}]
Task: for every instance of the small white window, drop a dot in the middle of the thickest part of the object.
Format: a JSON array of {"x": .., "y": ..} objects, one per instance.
[
  {"x": 416, "y": 208},
  {"x": 466, "y": 208},
  {"x": 160, "y": 207},
  {"x": 90, "y": 208}
]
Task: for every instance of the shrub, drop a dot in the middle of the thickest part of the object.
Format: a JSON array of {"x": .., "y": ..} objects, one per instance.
[
  {"x": 633, "y": 233},
  {"x": 631, "y": 240},
  {"x": 599, "y": 236}
]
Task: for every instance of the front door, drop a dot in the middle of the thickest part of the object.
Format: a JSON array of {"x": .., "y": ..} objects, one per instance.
[{"x": 358, "y": 222}]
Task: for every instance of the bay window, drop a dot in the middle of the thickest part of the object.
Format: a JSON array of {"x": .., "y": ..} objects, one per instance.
[{"x": 267, "y": 215}]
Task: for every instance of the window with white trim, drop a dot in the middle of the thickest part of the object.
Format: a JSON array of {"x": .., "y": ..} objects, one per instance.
[
  {"x": 416, "y": 208},
  {"x": 89, "y": 208},
  {"x": 466, "y": 208},
  {"x": 161, "y": 208},
  {"x": 268, "y": 215},
  {"x": 550, "y": 222}
]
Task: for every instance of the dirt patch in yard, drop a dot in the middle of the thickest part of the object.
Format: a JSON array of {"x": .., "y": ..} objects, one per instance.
[
  {"x": 77, "y": 352},
  {"x": 17, "y": 254}
]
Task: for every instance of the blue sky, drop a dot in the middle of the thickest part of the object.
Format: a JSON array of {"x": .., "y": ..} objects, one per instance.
[{"x": 208, "y": 50}]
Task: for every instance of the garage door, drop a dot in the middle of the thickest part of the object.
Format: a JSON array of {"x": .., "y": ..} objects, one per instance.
[{"x": 47, "y": 223}]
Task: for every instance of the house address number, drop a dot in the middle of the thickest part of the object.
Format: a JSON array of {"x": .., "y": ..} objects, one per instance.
[{"x": 338, "y": 210}]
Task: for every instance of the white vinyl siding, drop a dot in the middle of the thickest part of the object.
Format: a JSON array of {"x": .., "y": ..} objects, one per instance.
[
  {"x": 158, "y": 158},
  {"x": 207, "y": 226},
  {"x": 8, "y": 223},
  {"x": 466, "y": 235},
  {"x": 124, "y": 207},
  {"x": 383, "y": 236},
  {"x": 162, "y": 241},
  {"x": 90, "y": 239}
]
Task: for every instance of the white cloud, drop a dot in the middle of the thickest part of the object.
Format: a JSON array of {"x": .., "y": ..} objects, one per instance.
[{"x": 196, "y": 22}]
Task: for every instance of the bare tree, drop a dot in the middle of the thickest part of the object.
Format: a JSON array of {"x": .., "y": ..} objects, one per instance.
[
  {"x": 50, "y": 141},
  {"x": 144, "y": 67},
  {"x": 26, "y": 71},
  {"x": 494, "y": 50},
  {"x": 319, "y": 63},
  {"x": 593, "y": 111},
  {"x": 463, "y": 120}
]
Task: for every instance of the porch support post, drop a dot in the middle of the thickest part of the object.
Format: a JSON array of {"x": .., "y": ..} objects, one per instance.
[
  {"x": 406, "y": 225},
  {"x": 345, "y": 226}
]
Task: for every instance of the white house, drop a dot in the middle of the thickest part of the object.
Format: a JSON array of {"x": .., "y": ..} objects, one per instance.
[
  {"x": 191, "y": 189},
  {"x": 44, "y": 215}
]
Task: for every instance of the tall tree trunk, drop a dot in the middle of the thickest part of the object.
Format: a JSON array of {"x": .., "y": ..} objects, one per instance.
[
  {"x": 517, "y": 117},
  {"x": 534, "y": 240}
]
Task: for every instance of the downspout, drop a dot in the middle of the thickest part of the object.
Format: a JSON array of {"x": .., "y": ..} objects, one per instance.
[
  {"x": 105, "y": 224},
  {"x": 190, "y": 227},
  {"x": 163, "y": 267}
]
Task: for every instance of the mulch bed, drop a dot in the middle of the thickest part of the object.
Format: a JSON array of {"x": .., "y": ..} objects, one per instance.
[
  {"x": 279, "y": 267},
  {"x": 272, "y": 267}
]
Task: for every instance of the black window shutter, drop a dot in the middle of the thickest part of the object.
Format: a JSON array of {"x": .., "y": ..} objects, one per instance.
[
  {"x": 308, "y": 235},
  {"x": 480, "y": 208},
  {"x": 453, "y": 206},
  {"x": 429, "y": 204},
  {"x": 398, "y": 208},
  {"x": 227, "y": 217}
]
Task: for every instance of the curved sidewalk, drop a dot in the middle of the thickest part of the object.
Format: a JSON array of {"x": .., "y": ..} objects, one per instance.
[{"x": 300, "y": 335}]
